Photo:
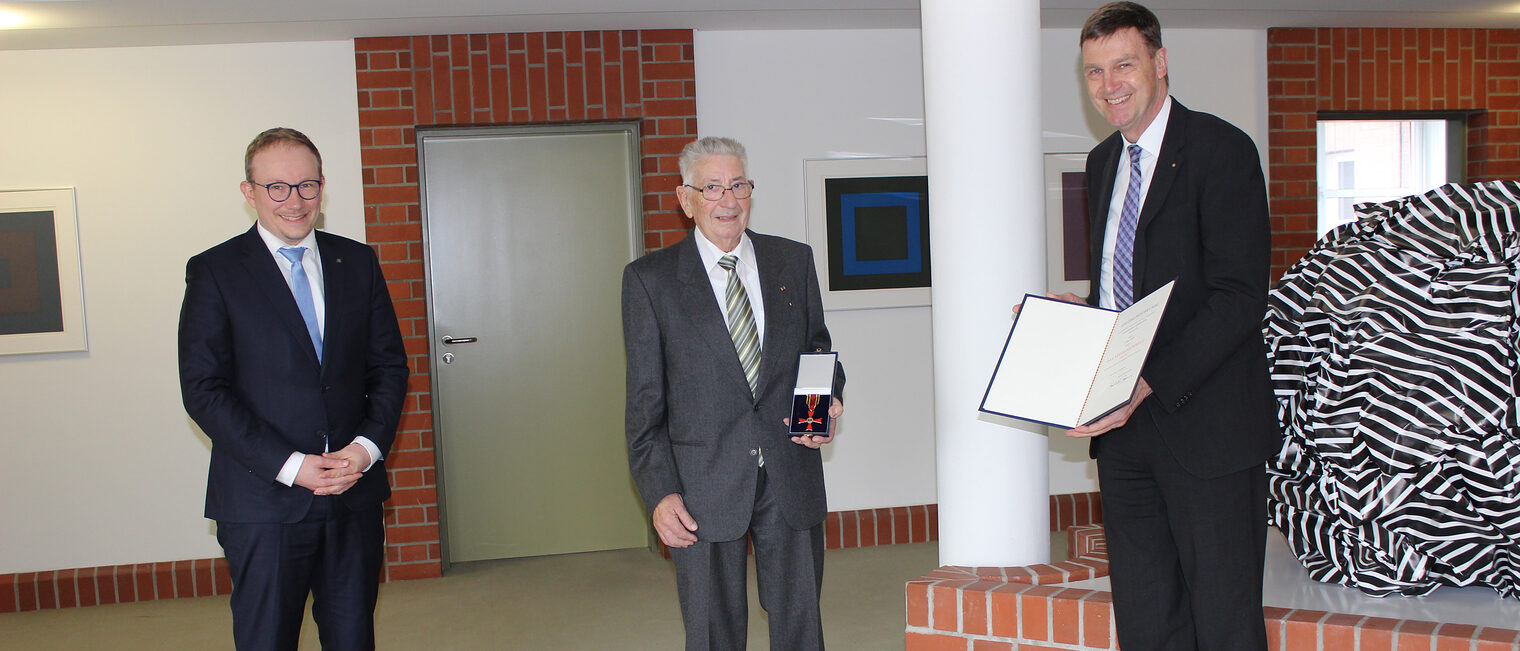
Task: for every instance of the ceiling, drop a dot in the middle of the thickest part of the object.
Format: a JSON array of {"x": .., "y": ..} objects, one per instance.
[{"x": 114, "y": 23}]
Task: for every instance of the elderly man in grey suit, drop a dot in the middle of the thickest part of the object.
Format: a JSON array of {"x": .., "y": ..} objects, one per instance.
[{"x": 713, "y": 327}]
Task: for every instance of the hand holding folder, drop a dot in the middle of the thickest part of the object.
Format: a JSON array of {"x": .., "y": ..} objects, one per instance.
[{"x": 1070, "y": 364}]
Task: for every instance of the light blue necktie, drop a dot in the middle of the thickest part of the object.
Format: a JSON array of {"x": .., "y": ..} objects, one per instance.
[
  {"x": 302, "y": 287},
  {"x": 1124, "y": 248}
]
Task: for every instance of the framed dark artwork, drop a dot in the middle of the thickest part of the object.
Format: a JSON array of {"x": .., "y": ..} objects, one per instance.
[
  {"x": 868, "y": 224},
  {"x": 41, "y": 297},
  {"x": 1066, "y": 229}
]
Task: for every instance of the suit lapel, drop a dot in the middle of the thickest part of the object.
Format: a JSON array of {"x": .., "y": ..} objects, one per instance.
[
  {"x": 334, "y": 288},
  {"x": 774, "y": 294},
  {"x": 1168, "y": 162},
  {"x": 270, "y": 281},
  {"x": 1109, "y": 169},
  {"x": 700, "y": 305},
  {"x": 1097, "y": 209}
]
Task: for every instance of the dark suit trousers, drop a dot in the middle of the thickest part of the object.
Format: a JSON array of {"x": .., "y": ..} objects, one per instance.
[
  {"x": 334, "y": 553},
  {"x": 1185, "y": 554},
  {"x": 710, "y": 581}
]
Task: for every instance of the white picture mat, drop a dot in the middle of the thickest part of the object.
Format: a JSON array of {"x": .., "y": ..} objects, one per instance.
[
  {"x": 816, "y": 172},
  {"x": 1055, "y": 231},
  {"x": 59, "y": 201}
]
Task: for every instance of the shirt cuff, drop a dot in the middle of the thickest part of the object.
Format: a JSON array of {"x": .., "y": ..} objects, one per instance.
[
  {"x": 370, "y": 447},
  {"x": 288, "y": 471}
]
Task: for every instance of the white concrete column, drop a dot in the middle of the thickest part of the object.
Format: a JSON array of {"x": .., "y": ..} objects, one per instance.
[{"x": 986, "y": 211}]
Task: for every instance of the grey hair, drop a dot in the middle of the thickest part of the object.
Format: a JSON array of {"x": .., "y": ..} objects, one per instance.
[{"x": 696, "y": 150}]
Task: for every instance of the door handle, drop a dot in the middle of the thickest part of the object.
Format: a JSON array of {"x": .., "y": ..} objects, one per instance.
[{"x": 449, "y": 341}]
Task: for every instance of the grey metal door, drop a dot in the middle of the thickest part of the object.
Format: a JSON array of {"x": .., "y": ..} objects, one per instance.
[{"x": 526, "y": 231}]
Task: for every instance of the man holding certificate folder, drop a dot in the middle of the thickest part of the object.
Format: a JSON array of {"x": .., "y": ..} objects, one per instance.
[
  {"x": 1179, "y": 195},
  {"x": 714, "y": 327}
]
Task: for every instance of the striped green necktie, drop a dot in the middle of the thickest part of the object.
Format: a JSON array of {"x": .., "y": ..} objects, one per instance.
[{"x": 741, "y": 324}]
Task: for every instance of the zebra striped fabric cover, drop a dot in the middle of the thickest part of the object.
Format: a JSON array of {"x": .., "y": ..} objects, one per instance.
[{"x": 1393, "y": 353}]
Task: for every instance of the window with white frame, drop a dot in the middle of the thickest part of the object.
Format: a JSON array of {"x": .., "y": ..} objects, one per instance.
[{"x": 1378, "y": 159}]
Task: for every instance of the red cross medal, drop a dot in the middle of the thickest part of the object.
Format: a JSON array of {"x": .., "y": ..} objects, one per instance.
[{"x": 812, "y": 406}]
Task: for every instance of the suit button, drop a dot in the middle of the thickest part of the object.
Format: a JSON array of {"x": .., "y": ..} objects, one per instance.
[
  {"x": 753, "y": 452},
  {"x": 321, "y": 434}
]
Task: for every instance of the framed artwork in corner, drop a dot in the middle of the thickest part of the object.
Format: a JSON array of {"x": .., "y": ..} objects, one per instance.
[
  {"x": 868, "y": 224},
  {"x": 41, "y": 290},
  {"x": 1066, "y": 230}
]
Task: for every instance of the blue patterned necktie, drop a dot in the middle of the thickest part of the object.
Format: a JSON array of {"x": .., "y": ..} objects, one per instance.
[
  {"x": 1124, "y": 248},
  {"x": 302, "y": 287},
  {"x": 741, "y": 323}
]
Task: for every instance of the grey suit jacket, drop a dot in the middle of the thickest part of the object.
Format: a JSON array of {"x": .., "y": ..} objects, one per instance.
[{"x": 693, "y": 427}]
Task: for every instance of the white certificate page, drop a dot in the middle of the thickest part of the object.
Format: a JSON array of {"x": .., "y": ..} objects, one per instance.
[{"x": 1066, "y": 364}]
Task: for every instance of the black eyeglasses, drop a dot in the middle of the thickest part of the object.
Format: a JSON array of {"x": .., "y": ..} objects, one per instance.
[
  {"x": 279, "y": 191},
  {"x": 714, "y": 192}
]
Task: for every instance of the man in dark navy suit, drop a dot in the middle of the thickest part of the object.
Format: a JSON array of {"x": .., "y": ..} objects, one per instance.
[
  {"x": 1179, "y": 195},
  {"x": 291, "y": 362}
]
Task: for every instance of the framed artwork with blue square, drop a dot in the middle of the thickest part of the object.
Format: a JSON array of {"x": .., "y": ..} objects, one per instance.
[
  {"x": 878, "y": 232},
  {"x": 868, "y": 224}
]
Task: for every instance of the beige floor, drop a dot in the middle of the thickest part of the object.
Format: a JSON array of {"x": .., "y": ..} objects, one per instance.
[
  {"x": 626, "y": 601},
  {"x": 1287, "y": 585},
  {"x": 623, "y": 600}
]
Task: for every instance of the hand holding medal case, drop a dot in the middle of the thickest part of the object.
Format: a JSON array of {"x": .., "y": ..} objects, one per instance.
[{"x": 813, "y": 394}]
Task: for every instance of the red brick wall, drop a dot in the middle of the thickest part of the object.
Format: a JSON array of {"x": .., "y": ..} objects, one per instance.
[
  {"x": 208, "y": 576},
  {"x": 475, "y": 79},
  {"x": 1035, "y": 607},
  {"x": 113, "y": 584},
  {"x": 1338, "y": 69}
]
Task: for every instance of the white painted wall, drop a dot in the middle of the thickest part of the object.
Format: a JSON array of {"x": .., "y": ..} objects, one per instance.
[
  {"x": 795, "y": 95},
  {"x": 1219, "y": 71},
  {"x": 836, "y": 94},
  {"x": 101, "y": 465}
]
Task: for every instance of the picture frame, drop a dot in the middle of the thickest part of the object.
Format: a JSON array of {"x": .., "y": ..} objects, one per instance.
[
  {"x": 868, "y": 224},
  {"x": 1067, "y": 250},
  {"x": 41, "y": 285}
]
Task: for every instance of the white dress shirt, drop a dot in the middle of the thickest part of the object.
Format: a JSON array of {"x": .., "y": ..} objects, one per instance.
[
  {"x": 1150, "y": 147},
  {"x": 311, "y": 263},
  {"x": 749, "y": 276}
]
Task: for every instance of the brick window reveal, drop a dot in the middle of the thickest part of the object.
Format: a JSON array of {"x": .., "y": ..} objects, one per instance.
[{"x": 1383, "y": 69}]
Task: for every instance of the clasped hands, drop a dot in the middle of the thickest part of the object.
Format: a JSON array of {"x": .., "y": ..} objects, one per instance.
[{"x": 333, "y": 473}]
